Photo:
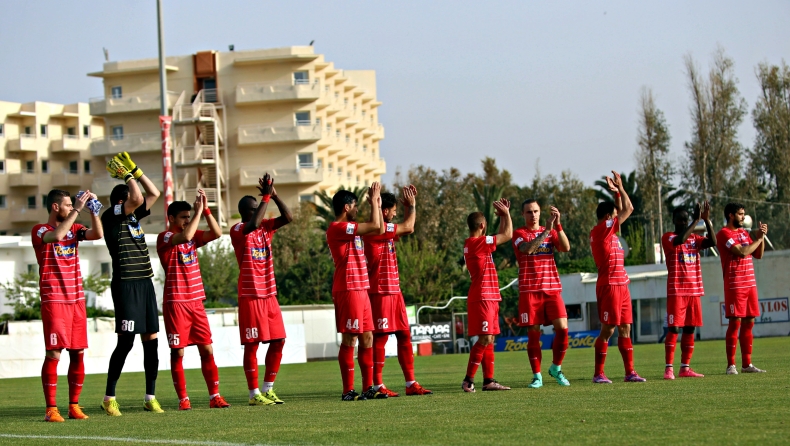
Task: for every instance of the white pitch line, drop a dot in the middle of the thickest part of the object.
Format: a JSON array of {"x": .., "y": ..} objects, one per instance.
[{"x": 123, "y": 439}]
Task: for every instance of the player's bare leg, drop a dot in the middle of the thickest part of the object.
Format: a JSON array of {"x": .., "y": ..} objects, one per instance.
[
  {"x": 686, "y": 350},
  {"x": 558, "y": 348},
  {"x": 49, "y": 382},
  {"x": 274, "y": 356},
  {"x": 211, "y": 376}
]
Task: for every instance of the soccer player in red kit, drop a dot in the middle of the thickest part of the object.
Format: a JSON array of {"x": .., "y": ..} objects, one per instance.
[
  {"x": 260, "y": 318},
  {"x": 737, "y": 247},
  {"x": 386, "y": 299},
  {"x": 611, "y": 291},
  {"x": 350, "y": 286},
  {"x": 185, "y": 318},
  {"x": 483, "y": 301},
  {"x": 540, "y": 291},
  {"x": 62, "y": 298},
  {"x": 684, "y": 285}
]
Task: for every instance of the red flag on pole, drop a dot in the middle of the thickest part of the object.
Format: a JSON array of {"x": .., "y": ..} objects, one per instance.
[{"x": 167, "y": 167}]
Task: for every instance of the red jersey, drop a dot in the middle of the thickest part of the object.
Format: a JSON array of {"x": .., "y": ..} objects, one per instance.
[
  {"x": 60, "y": 279},
  {"x": 256, "y": 264},
  {"x": 684, "y": 276},
  {"x": 738, "y": 271},
  {"x": 382, "y": 261},
  {"x": 608, "y": 253},
  {"x": 182, "y": 270},
  {"x": 537, "y": 272},
  {"x": 348, "y": 253},
  {"x": 480, "y": 263}
]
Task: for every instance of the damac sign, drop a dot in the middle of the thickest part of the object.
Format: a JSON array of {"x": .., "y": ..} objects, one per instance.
[{"x": 436, "y": 332}]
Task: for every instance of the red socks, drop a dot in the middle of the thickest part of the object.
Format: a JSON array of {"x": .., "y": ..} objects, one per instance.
[
  {"x": 251, "y": 365},
  {"x": 177, "y": 372},
  {"x": 533, "y": 350},
  {"x": 560, "y": 345},
  {"x": 365, "y": 360},
  {"x": 405, "y": 354},
  {"x": 76, "y": 376},
  {"x": 601, "y": 346},
  {"x": 669, "y": 348},
  {"x": 346, "y": 360},
  {"x": 746, "y": 339},
  {"x": 379, "y": 356},
  {"x": 686, "y": 348},
  {"x": 731, "y": 340},
  {"x": 475, "y": 358},
  {"x": 627, "y": 352},
  {"x": 210, "y": 374},
  {"x": 49, "y": 380},
  {"x": 488, "y": 362},
  {"x": 273, "y": 358}
]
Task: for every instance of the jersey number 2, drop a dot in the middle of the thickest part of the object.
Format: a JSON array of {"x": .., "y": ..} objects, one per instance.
[{"x": 485, "y": 326}]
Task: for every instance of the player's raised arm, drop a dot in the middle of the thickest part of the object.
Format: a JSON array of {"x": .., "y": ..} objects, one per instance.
[
  {"x": 409, "y": 201},
  {"x": 677, "y": 241},
  {"x": 151, "y": 191},
  {"x": 531, "y": 246},
  {"x": 214, "y": 231},
  {"x": 710, "y": 241},
  {"x": 622, "y": 201},
  {"x": 60, "y": 232},
  {"x": 564, "y": 244},
  {"x": 760, "y": 232},
  {"x": 265, "y": 187},
  {"x": 189, "y": 231},
  {"x": 505, "y": 233},
  {"x": 752, "y": 248},
  {"x": 285, "y": 213},
  {"x": 374, "y": 198},
  {"x": 96, "y": 231}
]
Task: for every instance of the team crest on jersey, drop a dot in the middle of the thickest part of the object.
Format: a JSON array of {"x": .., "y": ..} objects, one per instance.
[
  {"x": 187, "y": 258},
  {"x": 358, "y": 243},
  {"x": 609, "y": 223},
  {"x": 390, "y": 246},
  {"x": 261, "y": 253},
  {"x": 390, "y": 227},
  {"x": 65, "y": 251},
  {"x": 489, "y": 240}
]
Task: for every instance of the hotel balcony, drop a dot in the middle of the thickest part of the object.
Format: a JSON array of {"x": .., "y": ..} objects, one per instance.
[
  {"x": 270, "y": 93},
  {"x": 28, "y": 143},
  {"x": 67, "y": 178},
  {"x": 248, "y": 176},
  {"x": 264, "y": 134},
  {"x": 23, "y": 179},
  {"x": 145, "y": 102},
  {"x": 70, "y": 143},
  {"x": 132, "y": 143},
  {"x": 104, "y": 185},
  {"x": 29, "y": 215}
]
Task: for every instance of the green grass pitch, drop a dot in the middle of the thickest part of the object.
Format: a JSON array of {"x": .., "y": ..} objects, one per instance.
[{"x": 716, "y": 409}]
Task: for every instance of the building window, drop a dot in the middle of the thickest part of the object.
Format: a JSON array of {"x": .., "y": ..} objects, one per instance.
[
  {"x": 348, "y": 177},
  {"x": 326, "y": 88},
  {"x": 30, "y": 167},
  {"x": 357, "y": 179},
  {"x": 31, "y": 202},
  {"x": 28, "y": 130},
  {"x": 44, "y": 201},
  {"x": 305, "y": 160},
  {"x": 73, "y": 167},
  {"x": 363, "y": 113},
  {"x": 348, "y": 139},
  {"x": 44, "y": 166},
  {"x": 117, "y": 132},
  {"x": 105, "y": 269},
  {"x": 306, "y": 198},
  {"x": 2, "y": 130},
  {"x": 86, "y": 166},
  {"x": 116, "y": 92},
  {"x": 364, "y": 148},
  {"x": 318, "y": 122},
  {"x": 2, "y": 166},
  {"x": 32, "y": 268},
  {"x": 86, "y": 131},
  {"x": 71, "y": 131},
  {"x": 574, "y": 312},
  {"x": 329, "y": 128},
  {"x": 337, "y": 95},
  {"x": 2, "y": 202},
  {"x": 320, "y": 163},
  {"x": 301, "y": 77},
  {"x": 355, "y": 108},
  {"x": 337, "y": 133},
  {"x": 43, "y": 129},
  {"x": 302, "y": 118},
  {"x": 330, "y": 167},
  {"x": 340, "y": 172},
  {"x": 373, "y": 152},
  {"x": 345, "y": 102}
]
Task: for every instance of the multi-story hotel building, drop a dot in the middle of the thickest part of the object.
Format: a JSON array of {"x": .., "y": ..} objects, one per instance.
[
  {"x": 43, "y": 146},
  {"x": 238, "y": 114}
]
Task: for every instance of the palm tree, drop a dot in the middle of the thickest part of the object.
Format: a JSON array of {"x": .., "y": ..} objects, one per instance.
[{"x": 324, "y": 209}]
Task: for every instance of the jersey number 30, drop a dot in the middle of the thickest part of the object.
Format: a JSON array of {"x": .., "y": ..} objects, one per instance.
[{"x": 127, "y": 325}]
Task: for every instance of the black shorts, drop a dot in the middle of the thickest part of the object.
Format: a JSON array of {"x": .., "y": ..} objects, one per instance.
[{"x": 135, "y": 306}]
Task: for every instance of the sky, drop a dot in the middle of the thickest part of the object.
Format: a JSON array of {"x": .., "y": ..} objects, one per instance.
[{"x": 554, "y": 84}]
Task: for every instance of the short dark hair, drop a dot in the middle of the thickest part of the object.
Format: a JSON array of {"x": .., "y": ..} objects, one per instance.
[
  {"x": 732, "y": 208},
  {"x": 55, "y": 196},
  {"x": 604, "y": 208},
  {"x": 388, "y": 200},
  {"x": 178, "y": 207},
  {"x": 528, "y": 201},
  {"x": 677, "y": 211},
  {"x": 119, "y": 193},
  {"x": 474, "y": 220},
  {"x": 245, "y": 204},
  {"x": 341, "y": 199}
]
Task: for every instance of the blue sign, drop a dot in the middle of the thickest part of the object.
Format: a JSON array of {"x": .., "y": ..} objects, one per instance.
[{"x": 578, "y": 339}]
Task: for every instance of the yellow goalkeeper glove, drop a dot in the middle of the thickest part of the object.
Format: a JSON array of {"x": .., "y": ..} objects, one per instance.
[
  {"x": 118, "y": 170},
  {"x": 126, "y": 160}
]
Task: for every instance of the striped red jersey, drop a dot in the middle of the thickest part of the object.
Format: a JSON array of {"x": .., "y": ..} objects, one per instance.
[
  {"x": 60, "y": 279},
  {"x": 537, "y": 272},
  {"x": 383, "y": 261},
  {"x": 182, "y": 270},
  {"x": 608, "y": 253},
  {"x": 348, "y": 253},
  {"x": 738, "y": 271},
  {"x": 256, "y": 264},
  {"x": 684, "y": 278},
  {"x": 480, "y": 263}
]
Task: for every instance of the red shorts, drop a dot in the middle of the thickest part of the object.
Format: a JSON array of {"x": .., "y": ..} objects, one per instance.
[
  {"x": 260, "y": 320},
  {"x": 352, "y": 311},
  {"x": 65, "y": 325},
  {"x": 483, "y": 317},
  {"x": 389, "y": 313},
  {"x": 614, "y": 304},
  {"x": 684, "y": 311},
  {"x": 741, "y": 302},
  {"x": 186, "y": 324},
  {"x": 540, "y": 308}
]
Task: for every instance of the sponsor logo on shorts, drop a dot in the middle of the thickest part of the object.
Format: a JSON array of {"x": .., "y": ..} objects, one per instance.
[
  {"x": 65, "y": 251},
  {"x": 261, "y": 253}
]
